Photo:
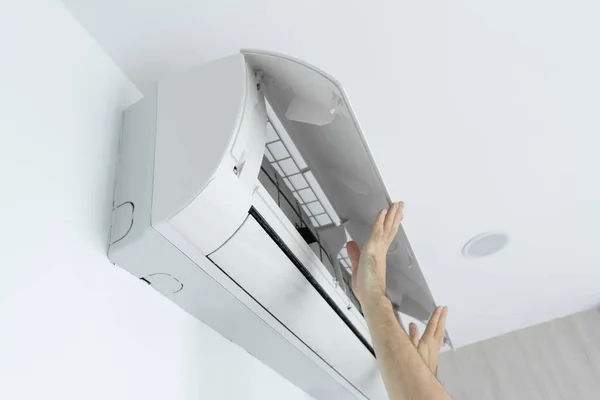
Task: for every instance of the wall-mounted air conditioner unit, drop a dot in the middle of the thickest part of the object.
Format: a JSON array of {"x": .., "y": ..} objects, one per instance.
[{"x": 239, "y": 183}]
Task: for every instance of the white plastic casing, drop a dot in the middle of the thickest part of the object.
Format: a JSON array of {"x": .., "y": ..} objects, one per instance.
[
  {"x": 190, "y": 155},
  {"x": 208, "y": 151}
]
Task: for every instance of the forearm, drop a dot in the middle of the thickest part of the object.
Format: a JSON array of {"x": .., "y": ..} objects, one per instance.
[{"x": 405, "y": 374}]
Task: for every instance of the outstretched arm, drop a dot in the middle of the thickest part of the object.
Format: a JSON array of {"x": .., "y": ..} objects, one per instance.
[{"x": 405, "y": 374}]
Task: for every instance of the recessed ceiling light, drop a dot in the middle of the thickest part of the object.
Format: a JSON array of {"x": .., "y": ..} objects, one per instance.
[{"x": 485, "y": 244}]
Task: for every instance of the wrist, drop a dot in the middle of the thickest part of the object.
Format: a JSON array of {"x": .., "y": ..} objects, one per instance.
[{"x": 374, "y": 301}]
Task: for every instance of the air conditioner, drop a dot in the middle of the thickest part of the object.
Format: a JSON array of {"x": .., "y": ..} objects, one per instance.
[{"x": 239, "y": 183}]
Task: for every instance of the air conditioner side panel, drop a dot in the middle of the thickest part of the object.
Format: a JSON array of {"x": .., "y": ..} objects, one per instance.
[{"x": 135, "y": 171}]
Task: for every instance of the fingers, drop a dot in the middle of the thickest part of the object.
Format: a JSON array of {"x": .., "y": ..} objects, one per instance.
[
  {"x": 436, "y": 327},
  {"x": 413, "y": 332},
  {"x": 432, "y": 324},
  {"x": 389, "y": 218},
  {"x": 440, "y": 330},
  {"x": 379, "y": 221},
  {"x": 392, "y": 219},
  {"x": 398, "y": 217}
]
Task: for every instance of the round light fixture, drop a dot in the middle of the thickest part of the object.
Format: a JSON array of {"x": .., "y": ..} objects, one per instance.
[{"x": 485, "y": 244}]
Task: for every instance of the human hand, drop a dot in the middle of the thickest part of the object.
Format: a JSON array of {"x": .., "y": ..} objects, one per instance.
[
  {"x": 431, "y": 342},
  {"x": 369, "y": 264}
]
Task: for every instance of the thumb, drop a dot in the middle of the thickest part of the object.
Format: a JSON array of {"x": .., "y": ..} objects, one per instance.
[
  {"x": 353, "y": 254},
  {"x": 413, "y": 333}
]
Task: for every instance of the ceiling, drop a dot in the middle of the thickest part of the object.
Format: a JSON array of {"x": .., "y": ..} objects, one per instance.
[{"x": 481, "y": 116}]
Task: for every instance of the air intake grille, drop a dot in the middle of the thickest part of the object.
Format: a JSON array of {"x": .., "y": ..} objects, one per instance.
[
  {"x": 289, "y": 164},
  {"x": 293, "y": 210}
]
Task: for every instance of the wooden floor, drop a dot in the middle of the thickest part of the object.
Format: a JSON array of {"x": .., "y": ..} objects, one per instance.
[{"x": 558, "y": 360}]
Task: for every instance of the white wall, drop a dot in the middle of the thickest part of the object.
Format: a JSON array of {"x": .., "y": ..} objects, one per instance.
[{"x": 72, "y": 325}]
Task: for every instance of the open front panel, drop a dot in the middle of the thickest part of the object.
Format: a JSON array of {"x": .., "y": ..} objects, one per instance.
[{"x": 314, "y": 111}]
